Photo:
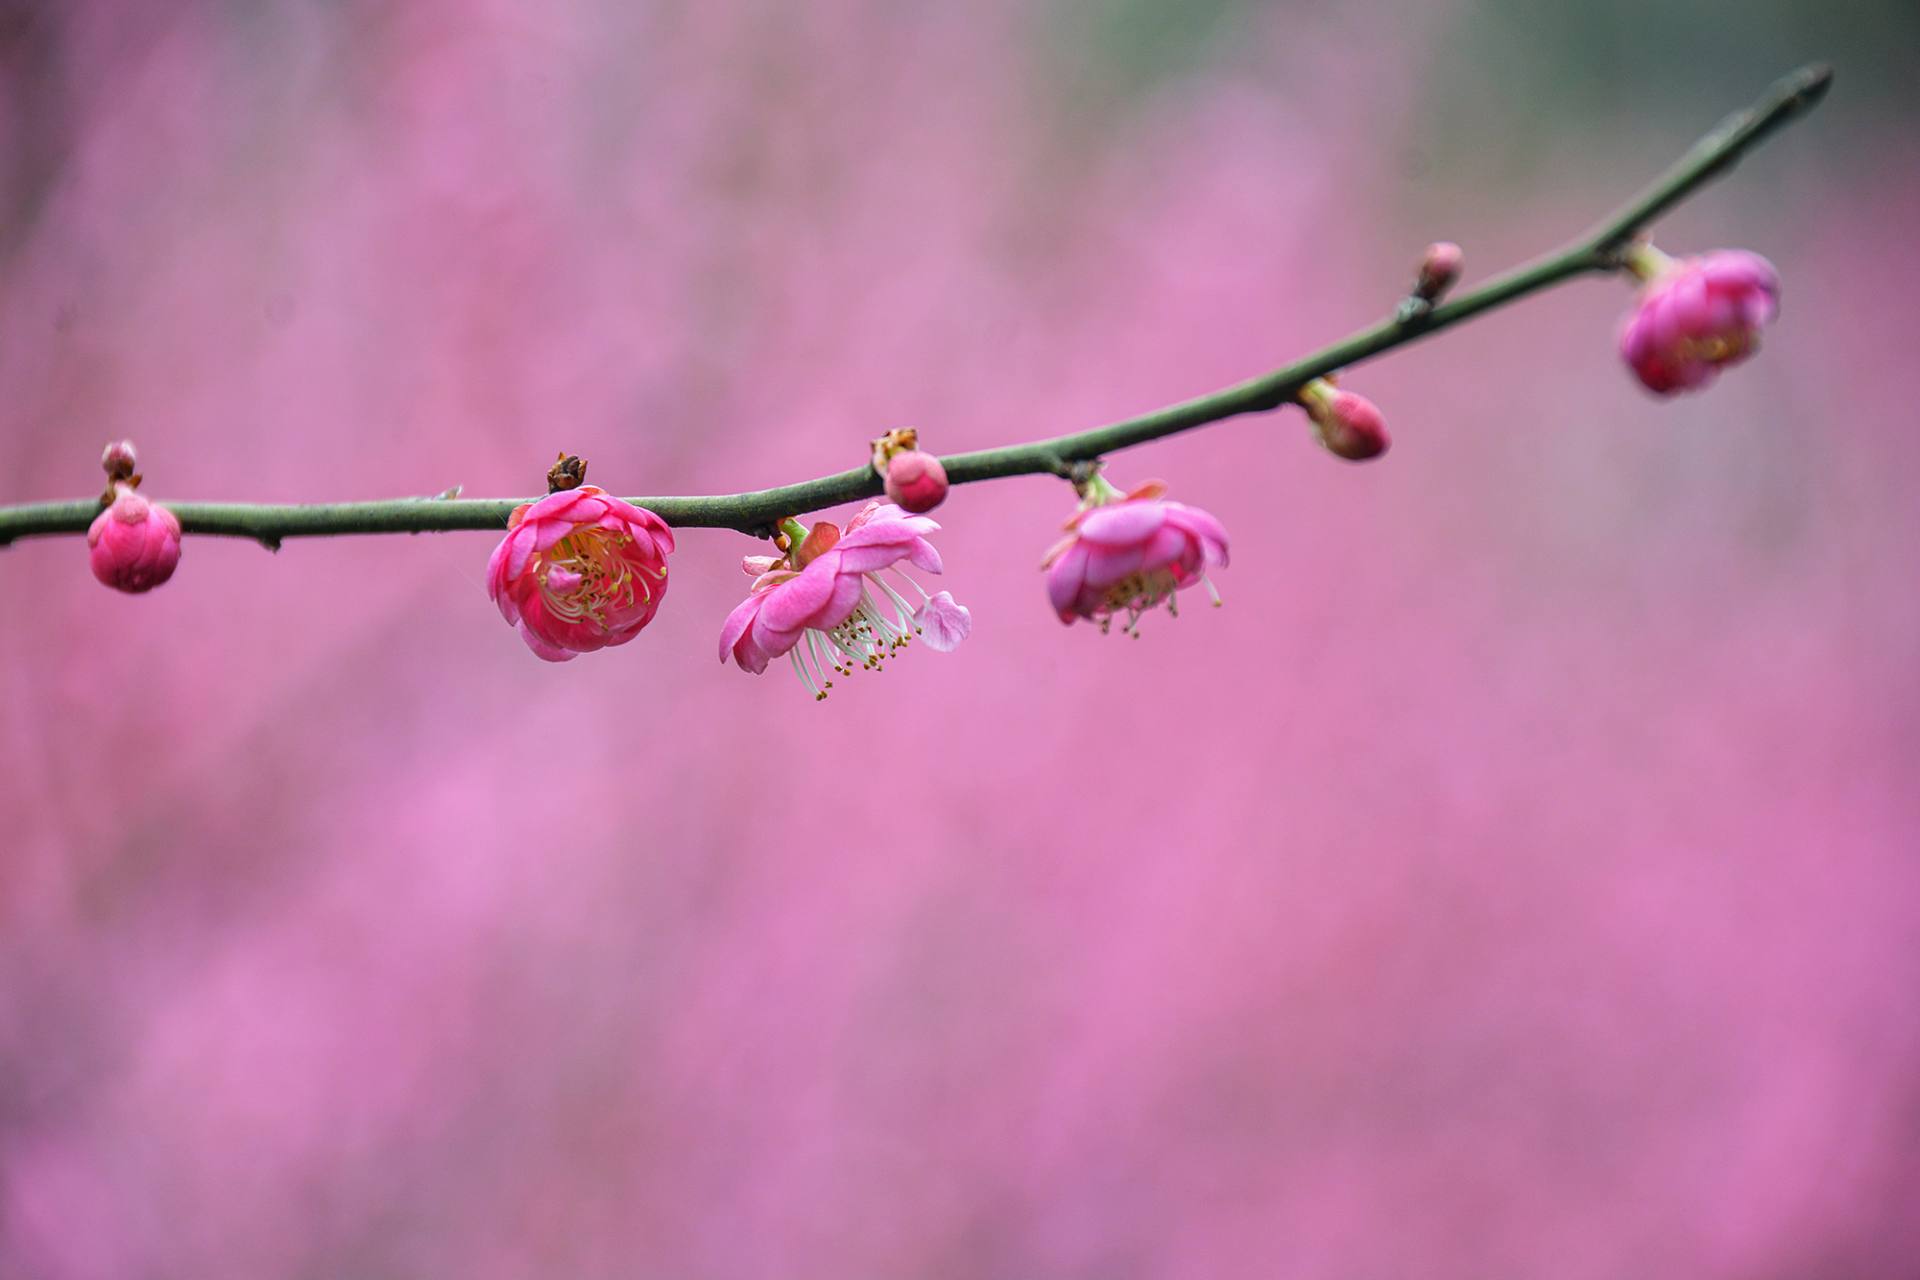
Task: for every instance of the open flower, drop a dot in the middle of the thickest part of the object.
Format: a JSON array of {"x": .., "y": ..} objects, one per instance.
[
  {"x": 1696, "y": 315},
  {"x": 579, "y": 570},
  {"x": 134, "y": 544},
  {"x": 826, "y": 605},
  {"x": 1129, "y": 553}
]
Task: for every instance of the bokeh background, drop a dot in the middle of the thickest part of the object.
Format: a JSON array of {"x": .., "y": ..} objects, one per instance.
[{"x": 1516, "y": 878}]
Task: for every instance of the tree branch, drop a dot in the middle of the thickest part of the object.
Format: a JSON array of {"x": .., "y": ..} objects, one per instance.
[{"x": 1597, "y": 251}]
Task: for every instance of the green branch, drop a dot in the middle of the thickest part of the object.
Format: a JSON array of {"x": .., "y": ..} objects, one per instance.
[{"x": 1597, "y": 251}]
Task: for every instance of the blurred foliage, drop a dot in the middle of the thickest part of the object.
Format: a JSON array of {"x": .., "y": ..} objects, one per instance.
[{"x": 1510, "y": 79}]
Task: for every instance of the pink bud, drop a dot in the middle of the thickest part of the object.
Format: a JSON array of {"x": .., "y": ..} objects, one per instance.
[
  {"x": 1355, "y": 429},
  {"x": 916, "y": 481},
  {"x": 1439, "y": 270},
  {"x": 134, "y": 544},
  {"x": 119, "y": 461},
  {"x": 1349, "y": 425}
]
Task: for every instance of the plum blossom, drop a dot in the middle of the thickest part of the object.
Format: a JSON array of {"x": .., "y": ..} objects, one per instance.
[
  {"x": 826, "y": 605},
  {"x": 1129, "y": 553},
  {"x": 1696, "y": 315},
  {"x": 579, "y": 570}
]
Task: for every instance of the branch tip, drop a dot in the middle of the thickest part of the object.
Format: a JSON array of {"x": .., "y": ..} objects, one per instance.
[{"x": 754, "y": 512}]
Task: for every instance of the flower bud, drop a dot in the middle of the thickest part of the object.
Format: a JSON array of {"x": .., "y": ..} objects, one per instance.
[
  {"x": 916, "y": 481},
  {"x": 119, "y": 461},
  {"x": 1349, "y": 425},
  {"x": 1439, "y": 270},
  {"x": 134, "y": 544}
]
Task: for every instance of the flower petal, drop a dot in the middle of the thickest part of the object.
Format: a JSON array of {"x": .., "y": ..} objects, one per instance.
[
  {"x": 791, "y": 605},
  {"x": 520, "y": 547},
  {"x": 542, "y": 649},
  {"x": 904, "y": 529},
  {"x": 1122, "y": 523},
  {"x": 556, "y": 506},
  {"x": 922, "y": 555},
  {"x": 944, "y": 622},
  {"x": 1064, "y": 580},
  {"x": 737, "y": 623},
  {"x": 1201, "y": 522},
  {"x": 871, "y": 559}
]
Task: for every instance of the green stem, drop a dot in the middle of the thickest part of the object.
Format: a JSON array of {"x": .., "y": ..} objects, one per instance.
[{"x": 1601, "y": 249}]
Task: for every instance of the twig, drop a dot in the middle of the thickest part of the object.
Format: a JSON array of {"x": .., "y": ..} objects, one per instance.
[{"x": 1597, "y": 251}]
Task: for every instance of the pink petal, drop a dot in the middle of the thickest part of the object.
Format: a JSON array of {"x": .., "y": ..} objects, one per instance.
[
  {"x": 846, "y": 598},
  {"x": 921, "y": 555},
  {"x": 874, "y": 510},
  {"x": 1057, "y": 550},
  {"x": 1171, "y": 546},
  {"x": 903, "y": 529},
  {"x": 1064, "y": 580},
  {"x": 765, "y": 644},
  {"x": 547, "y": 532},
  {"x": 520, "y": 548},
  {"x": 555, "y": 506},
  {"x": 1201, "y": 522},
  {"x": 749, "y": 656},
  {"x": 1122, "y": 523},
  {"x": 871, "y": 559},
  {"x": 944, "y": 623},
  {"x": 1107, "y": 565},
  {"x": 737, "y": 623},
  {"x": 790, "y": 605},
  {"x": 541, "y": 649}
]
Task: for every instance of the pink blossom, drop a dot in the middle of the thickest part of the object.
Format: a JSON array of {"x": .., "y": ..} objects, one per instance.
[
  {"x": 1696, "y": 315},
  {"x": 1128, "y": 554},
  {"x": 134, "y": 544},
  {"x": 826, "y": 605},
  {"x": 579, "y": 570},
  {"x": 916, "y": 480}
]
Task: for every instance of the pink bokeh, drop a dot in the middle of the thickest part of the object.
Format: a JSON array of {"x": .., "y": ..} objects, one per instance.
[{"x": 1516, "y": 877}]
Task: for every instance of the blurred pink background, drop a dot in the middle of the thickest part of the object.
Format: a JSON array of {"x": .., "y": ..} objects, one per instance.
[{"x": 1516, "y": 878}]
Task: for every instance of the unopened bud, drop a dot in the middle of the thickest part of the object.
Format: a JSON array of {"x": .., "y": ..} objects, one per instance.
[
  {"x": 1439, "y": 270},
  {"x": 119, "y": 461},
  {"x": 1349, "y": 425},
  {"x": 134, "y": 544},
  {"x": 916, "y": 480}
]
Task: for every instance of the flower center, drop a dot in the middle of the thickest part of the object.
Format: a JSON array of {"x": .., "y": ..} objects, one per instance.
[
  {"x": 872, "y": 633},
  {"x": 587, "y": 578},
  {"x": 1719, "y": 348},
  {"x": 1139, "y": 592}
]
